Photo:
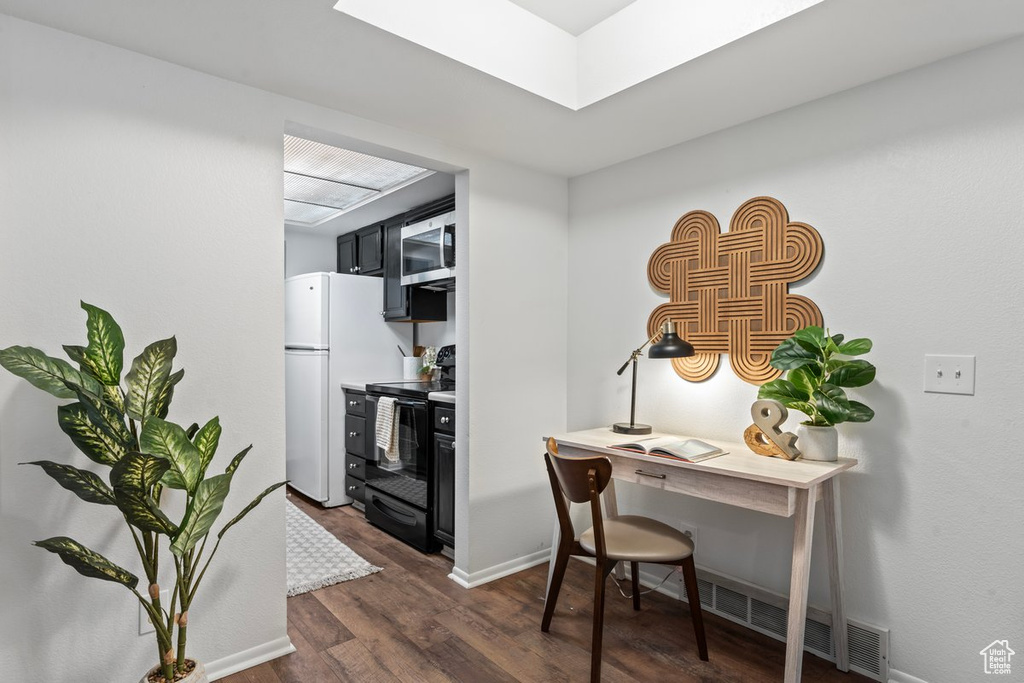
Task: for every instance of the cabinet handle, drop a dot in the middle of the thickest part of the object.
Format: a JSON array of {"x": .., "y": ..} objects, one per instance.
[
  {"x": 352, "y": 488},
  {"x": 356, "y": 269},
  {"x": 353, "y": 465},
  {"x": 648, "y": 474},
  {"x": 350, "y": 270},
  {"x": 353, "y": 434},
  {"x": 353, "y": 403}
]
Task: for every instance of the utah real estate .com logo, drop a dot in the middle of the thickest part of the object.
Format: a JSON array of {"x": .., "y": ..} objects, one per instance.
[{"x": 997, "y": 657}]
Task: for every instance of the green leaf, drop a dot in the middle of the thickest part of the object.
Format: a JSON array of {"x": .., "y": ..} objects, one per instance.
[
  {"x": 812, "y": 335},
  {"x": 95, "y": 443},
  {"x": 201, "y": 513},
  {"x": 132, "y": 478},
  {"x": 859, "y": 412},
  {"x": 855, "y": 347},
  {"x": 106, "y": 345},
  {"x": 148, "y": 377},
  {"x": 805, "y": 379},
  {"x": 105, "y": 417},
  {"x": 52, "y": 375},
  {"x": 790, "y": 354},
  {"x": 191, "y": 431},
  {"x": 84, "y": 484},
  {"x": 88, "y": 562},
  {"x": 853, "y": 373},
  {"x": 168, "y": 440},
  {"x": 832, "y": 404},
  {"x": 803, "y": 406},
  {"x": 237, "y": 460},
  {"x": 783, "y": 391},
  {"x": 248, "y": 508},
  {"x": 206, "y": 440},
  {"x": 162, "y": 404}
]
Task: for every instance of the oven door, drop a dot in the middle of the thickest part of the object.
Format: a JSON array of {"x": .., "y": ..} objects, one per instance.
[
  {"x": 405, "y": 475},
  {"x": 428, "y": 251}
]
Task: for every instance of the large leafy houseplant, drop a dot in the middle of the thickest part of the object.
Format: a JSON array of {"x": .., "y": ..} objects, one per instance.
[
  {"x": 121, "y": 424},
  {"x": 817, "y": 377}
]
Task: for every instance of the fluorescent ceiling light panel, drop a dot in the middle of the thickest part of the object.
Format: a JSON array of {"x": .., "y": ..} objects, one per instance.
[
  {"x": 641, "y": 40},
  {"x": 322, "y": 182}
]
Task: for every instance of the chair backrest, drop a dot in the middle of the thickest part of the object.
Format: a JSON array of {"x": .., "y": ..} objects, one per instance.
[
  {"x": 573, "y": 473},
  {"x": 580, "y": 480}
]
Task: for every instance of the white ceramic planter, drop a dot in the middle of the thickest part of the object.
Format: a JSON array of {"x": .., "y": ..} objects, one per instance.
[
  {"x": 817, "y": 443},
  {"x": 198, "y": 675}
]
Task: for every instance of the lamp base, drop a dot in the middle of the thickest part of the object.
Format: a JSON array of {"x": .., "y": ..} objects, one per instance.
[{"x": 626, "y": 428}]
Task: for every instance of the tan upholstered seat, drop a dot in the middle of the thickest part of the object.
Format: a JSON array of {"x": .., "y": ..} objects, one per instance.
[
  {"x": 626, "y": 538},
  {"x": 639, "y": 539}
]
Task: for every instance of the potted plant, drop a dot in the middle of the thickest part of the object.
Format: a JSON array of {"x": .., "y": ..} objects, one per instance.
[
  {"x": 121, "y": 424},
  {"x": 427, "y": 363},
  {"x": 814, "y": 385}
]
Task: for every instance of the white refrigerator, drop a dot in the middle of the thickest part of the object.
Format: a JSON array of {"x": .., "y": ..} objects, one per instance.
[{"x": 334, "y": 333}]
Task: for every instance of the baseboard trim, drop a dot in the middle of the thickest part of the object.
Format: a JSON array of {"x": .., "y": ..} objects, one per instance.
[
  {"x": 900, "y": 677},
  {"x": 498, "y": 571},
  {"x": 246, "y": 659}
]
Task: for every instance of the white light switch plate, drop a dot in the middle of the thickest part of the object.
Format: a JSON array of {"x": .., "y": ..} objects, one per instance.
[{"x": 949, "y": 374}]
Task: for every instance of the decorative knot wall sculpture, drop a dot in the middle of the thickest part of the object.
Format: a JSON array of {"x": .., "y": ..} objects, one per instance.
[{"x": 729, "y": 292}]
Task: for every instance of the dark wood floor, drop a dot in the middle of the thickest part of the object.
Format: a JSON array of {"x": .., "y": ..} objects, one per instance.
[{"x": 410, "y": 622}]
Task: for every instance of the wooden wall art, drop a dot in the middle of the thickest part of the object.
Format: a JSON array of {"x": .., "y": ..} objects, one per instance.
[{"x": 729, "y": 292}]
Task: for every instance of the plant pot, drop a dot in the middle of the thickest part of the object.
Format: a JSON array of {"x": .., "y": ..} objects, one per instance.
[
  {"x": 817, "y": 443},
  {"x": 197, "y": 675}
]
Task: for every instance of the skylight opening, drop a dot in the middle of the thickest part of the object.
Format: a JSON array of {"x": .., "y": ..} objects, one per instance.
[{"x": 322, "y": 182}]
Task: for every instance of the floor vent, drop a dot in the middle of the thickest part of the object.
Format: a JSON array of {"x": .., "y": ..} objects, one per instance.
[{"x": 767, "y": 614}]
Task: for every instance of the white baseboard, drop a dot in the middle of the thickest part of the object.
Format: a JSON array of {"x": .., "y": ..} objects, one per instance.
[
  {"x": 478, "y": 578},
  {"x": 900, "y": 677},
  {"x": 246, "y": 659}
]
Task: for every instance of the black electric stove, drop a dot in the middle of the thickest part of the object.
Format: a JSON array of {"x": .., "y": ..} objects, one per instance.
[{"x": 411, "y": 388}]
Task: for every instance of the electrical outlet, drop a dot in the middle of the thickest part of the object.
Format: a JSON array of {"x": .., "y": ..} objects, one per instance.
[
  {"x": 145, "y": 624},
  {"x": 690, "y": 530}
]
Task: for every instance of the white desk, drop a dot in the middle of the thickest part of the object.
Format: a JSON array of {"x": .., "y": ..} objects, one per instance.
[{"x": 744, "y": 479}]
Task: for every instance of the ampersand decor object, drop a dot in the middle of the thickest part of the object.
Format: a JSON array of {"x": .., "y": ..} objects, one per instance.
[
  {"x": 764, "y": 436},
  {"x": 729, "y": 292}
]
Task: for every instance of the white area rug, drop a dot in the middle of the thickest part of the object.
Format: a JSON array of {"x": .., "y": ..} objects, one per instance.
[{"x": 316, "y": 559}]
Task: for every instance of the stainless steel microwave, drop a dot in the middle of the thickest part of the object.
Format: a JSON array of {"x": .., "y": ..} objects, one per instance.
[{"x": 428, "y": 250}]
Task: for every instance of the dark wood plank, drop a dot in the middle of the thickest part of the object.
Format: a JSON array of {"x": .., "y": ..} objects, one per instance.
[
  {"x": 317, "y": 624},
  {"x": 303, "y": 665},
  {"x": 353, "y": 663}
]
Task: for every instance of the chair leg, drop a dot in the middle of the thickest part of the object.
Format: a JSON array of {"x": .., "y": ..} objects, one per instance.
[
  {"x": 600, "y": 573},
  {"x": 634, "y": 570},
  {"x": 693, "y": 596},
  {"x": 561, "y": 561}
]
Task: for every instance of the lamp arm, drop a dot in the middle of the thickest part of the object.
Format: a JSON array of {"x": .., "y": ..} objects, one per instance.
[{"x": 636, "y": 353}]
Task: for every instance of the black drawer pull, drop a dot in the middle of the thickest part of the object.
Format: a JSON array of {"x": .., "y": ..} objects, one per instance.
[
  {"x": 648, "y": 474},
  {"x": 353, "y": 465},
  {"x": 390, "y": 511},
  {"x": 353, "y": 488}
]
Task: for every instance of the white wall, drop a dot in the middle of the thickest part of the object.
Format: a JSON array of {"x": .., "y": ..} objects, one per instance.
[
  {"x": 306, "y": 253},
  {"x": 155, "y": 191},
  {"x": 914, "y": 183}
]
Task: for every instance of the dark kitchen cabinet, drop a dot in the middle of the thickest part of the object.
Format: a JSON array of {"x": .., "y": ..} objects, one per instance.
[
  {"x": 370, "y": 247},
  {"x": 357, "y": 441},
  {"x": 406, "y": 304},
  {"x": 444, "y": 474},
  {"x": 362, "y": 252},
  {"x": 348, "y": 258}
]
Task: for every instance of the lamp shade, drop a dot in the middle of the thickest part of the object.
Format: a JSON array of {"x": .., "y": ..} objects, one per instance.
[{"x": 670, "y": 345}]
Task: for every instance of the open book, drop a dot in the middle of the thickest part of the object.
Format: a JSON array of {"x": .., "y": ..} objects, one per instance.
[{"x": 686, "y": 450}]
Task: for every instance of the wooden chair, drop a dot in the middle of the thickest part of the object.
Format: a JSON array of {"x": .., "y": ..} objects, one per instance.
[{"x": 626, "y": 538}]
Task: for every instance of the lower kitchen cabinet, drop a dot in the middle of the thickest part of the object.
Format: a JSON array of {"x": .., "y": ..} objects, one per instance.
[{"x": 444, "y": 474}]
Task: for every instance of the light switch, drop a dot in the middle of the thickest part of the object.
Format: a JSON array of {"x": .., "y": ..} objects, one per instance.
[{"x": 949, "y": 374}]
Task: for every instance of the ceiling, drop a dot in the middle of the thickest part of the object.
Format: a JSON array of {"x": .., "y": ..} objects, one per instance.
[
  {"x": 574, "y": 16},
  {"x": 306, "y": 50}
]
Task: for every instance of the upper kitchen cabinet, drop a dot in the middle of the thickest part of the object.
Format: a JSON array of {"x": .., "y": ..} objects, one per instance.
[
  {"x": 362, "y": 252},
  {"x": 348, "y": 259},
  {"x": 406, "y": 304}
]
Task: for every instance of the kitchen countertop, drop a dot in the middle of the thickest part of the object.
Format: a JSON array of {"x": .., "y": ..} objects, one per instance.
[
  {"x": 442, "y": 396},
  {"x": 361, "y": 385}
]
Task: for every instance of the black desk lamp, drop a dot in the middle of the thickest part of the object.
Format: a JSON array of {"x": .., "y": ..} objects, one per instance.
[{"x": 669, "y": 346}]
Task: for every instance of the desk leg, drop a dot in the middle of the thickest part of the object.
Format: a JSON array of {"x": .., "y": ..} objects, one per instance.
[
  {"x": 804, "y": 525},
  {"x": 834, "y": 547},
  {"x": 611, "y": 509}
]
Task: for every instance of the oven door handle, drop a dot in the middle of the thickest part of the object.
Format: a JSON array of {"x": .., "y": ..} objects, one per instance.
[
  {"x": 390, "y": 511},
  {"x": 411, "y": 404}
]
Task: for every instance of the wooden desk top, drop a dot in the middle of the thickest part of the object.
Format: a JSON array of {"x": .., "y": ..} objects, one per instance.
[{"x": 739, "y": 461}]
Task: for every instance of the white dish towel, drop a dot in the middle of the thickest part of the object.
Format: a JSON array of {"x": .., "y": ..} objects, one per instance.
[{"x": 387, "y": 427}]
